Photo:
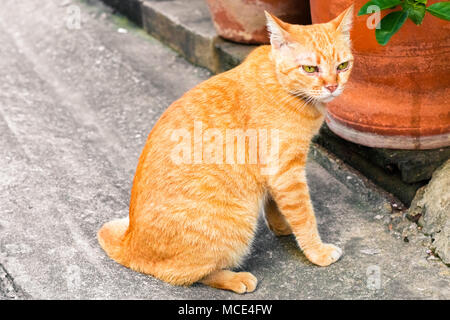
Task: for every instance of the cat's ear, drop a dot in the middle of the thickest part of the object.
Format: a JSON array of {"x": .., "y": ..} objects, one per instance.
[
  {"x": 344, "y": 22},
  {"x": 278, "y": 36}
]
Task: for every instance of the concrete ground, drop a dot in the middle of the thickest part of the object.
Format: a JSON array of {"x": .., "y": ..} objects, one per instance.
[{"x": 76, "y": 106}]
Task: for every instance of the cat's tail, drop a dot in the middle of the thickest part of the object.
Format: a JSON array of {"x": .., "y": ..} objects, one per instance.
[{"x": 110, "y": 237}]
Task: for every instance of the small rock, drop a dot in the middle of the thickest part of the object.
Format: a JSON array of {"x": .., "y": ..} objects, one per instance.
[
  {"x": 432, "y": 258},
  {"x": 396, "y": 215},
  {"x": 370, "y": 251},
  {"x": 426, "y": 242},
  {"x": 396, "y": 234},
  {"x": 122, "y": 30},
  {"x": 386, "y": 208},
  {"x": 65, "y": 3},
  {"x": 410, "y": 230},
  {"x": 432, "y": 207}
]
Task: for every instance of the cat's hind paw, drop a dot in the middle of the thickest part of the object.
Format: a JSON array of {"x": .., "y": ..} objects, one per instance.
[
  {"x": 239, "y": 282},
  {"x": 243, "y": 282},
  {"x": 281, "y": 231}
]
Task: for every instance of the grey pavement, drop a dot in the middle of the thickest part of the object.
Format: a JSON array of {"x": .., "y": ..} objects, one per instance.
[{"x": 76, "y": 106}]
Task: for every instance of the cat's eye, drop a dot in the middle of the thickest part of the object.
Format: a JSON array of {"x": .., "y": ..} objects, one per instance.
[
  {"x": 310, "y": 69},
  {"x": 343, "y": 66}
]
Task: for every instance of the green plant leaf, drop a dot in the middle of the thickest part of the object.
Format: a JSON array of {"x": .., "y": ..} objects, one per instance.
[
  {"x": 415, "y": 9},
  {"x": 440, "y": 10},
  {"x": 383, "y": 4},
  {"x": 389, "y": 25}
]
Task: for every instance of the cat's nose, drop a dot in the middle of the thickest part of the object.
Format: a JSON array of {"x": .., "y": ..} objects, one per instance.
[{"x": 332, "y": 88}]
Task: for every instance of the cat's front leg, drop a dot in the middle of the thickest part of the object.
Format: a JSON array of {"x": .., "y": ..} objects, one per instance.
[{"x": 290, "y": 191}]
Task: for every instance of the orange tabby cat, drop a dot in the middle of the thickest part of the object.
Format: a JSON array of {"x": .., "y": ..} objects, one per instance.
[{"x": 195, "y": 202}]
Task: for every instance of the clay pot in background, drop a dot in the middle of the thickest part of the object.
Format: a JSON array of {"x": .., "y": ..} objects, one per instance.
[
  {"x": 244, "y": 20},
  {"x": 398, "y": 95}
]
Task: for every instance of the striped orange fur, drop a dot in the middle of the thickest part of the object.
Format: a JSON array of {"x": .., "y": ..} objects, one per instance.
[{"x": 195, "y": 220}]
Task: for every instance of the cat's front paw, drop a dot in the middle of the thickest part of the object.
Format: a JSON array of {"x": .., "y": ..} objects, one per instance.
[{"x": 324, "y": 255}]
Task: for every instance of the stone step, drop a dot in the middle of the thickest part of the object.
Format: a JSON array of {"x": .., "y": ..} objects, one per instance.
[
  {"x": 188, "y": 29},
  {"x": 130, "y": 8}
]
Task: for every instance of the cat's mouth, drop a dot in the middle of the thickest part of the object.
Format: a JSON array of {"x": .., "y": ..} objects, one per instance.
[
  {"x": 321, "y": 96},
  {"x": 328, "y": 99},
  {"x": 330, "y": 96}
]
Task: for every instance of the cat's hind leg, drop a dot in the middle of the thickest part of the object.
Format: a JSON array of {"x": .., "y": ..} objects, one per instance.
[
  {"x": 275, "y": 220},
  {"x": 239, "y": 282}
]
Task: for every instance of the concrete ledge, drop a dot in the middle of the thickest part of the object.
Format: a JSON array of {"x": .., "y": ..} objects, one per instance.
[
  {"x": 414, "y": 166},
  {"x": 184, "y": 26},
  {"x": 401, "y": 172},
  {"x": 187, "y": 28},
  {"x": 129, "y": 8},
  {"x": 231, "y": 54},
  {"x": 379, "y": 199},
  {"x": 359, "y": 157}
]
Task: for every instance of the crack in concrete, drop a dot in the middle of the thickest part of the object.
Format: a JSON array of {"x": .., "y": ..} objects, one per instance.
[{"x": 8, "y": 288}]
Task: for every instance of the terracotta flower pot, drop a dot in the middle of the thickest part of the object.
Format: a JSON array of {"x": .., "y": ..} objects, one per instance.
[
  {"x": 398, "y": 95},
  {"x": 244, "y": 20}
]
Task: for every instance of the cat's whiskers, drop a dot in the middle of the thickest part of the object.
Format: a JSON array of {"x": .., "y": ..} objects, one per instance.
[
  {"x": 309, "y": 95},
  {"x": 305, "y": 97},
  {"x": 293, "y": 97}
]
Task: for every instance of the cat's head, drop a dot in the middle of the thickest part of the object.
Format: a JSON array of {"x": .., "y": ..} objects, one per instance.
[{"x": 312, "y": 61}]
